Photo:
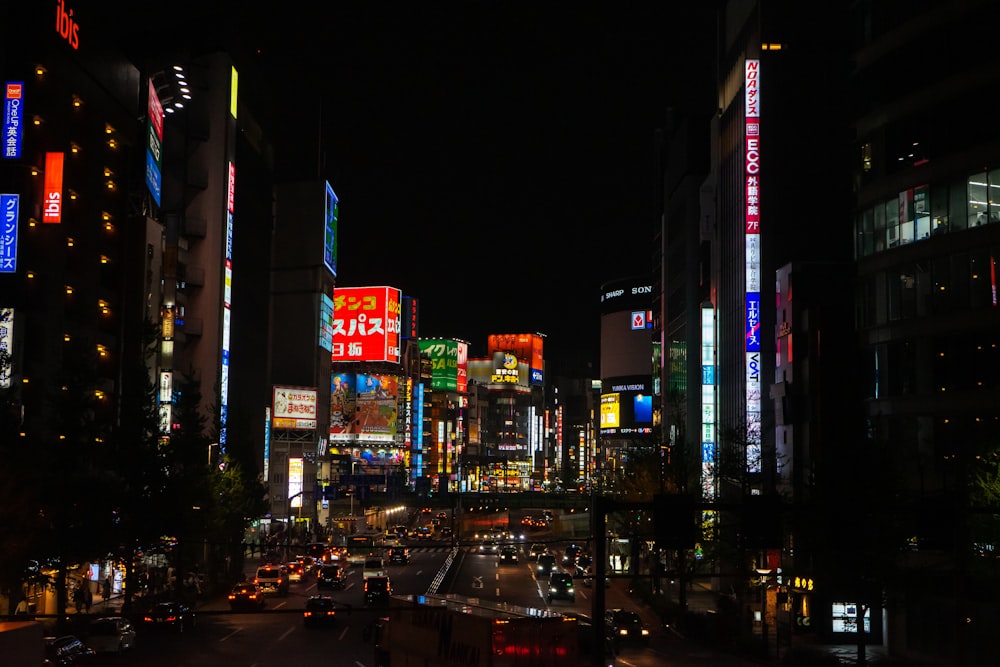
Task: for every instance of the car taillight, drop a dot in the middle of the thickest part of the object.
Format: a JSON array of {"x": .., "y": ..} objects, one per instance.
[{"x": 232, "y": 597}]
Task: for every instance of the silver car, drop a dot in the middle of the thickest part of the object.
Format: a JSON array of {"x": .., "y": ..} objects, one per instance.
[{"x": 111, "y": 634}]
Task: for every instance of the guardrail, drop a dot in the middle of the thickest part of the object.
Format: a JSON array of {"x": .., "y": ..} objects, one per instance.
[{"x": 439, "y": 577}]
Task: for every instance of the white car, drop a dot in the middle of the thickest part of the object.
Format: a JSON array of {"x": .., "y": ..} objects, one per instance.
[{"x": 111, "y": 634}]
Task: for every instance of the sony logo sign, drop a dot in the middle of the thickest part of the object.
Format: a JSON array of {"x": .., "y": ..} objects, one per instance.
[{"x": 645, "y": 289}]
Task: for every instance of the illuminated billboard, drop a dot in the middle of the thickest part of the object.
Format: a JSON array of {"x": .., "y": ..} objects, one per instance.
[
  {"x": 326, "y": 322},
  {"x": 154, "y": 143},
  {"x": 13, "y": 118},
  {"x": 528, "y": 348},
  {"x": 752, "y": 327},
  {"x": 293, "y": 408},
  {"x": 366, "y": 324},
  {"x": 52, "y": 195},
  {"x": 449, "y": 363},
  {"x": 6, "y": 344},
  {"x": 343, "y": 400},
  {"x": 331, "y": 212},
  {"x": 627, "y": 406},
  {"x": 9, "y": 210},
  {"x": 375, "y": 410}
]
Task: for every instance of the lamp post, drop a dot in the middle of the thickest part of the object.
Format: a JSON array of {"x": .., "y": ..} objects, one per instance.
[{"x": 764, "y": 573}]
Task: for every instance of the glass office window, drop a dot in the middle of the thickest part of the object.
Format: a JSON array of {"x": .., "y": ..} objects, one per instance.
[
  {"x": 880, "y": 227},
  {"x": 921, "y": 213},
  {"x": 892, "y": 223},
  {"x": 994, "y": 195},
  {"x": 958, "y": 202},
  {"x": 906, "y": 217},
  {"x": 978, "y": 199},
  {"x": 939, "y": 209}
]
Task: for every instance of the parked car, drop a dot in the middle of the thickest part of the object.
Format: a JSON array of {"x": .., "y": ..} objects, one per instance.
[
  {"x": 111, "y": 634},
  {"x": 331, "y": 576},
  {"x": 507, "y": 555},
  {"x": 561, "y": 587},
  {"x": 246, "y": 596},
  {"x": 67, "y": 651},
  {"x": 625, "y": 625},
  {"x": 319, "y": 610},
  {"x": 377, "y": 591},
  {"x": 175, "y": 616}
]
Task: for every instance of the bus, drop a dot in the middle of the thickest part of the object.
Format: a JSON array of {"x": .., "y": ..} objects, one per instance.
[{"x": 361, "y": 546}]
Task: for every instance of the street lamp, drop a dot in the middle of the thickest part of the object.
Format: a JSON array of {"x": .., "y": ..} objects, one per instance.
[
  {"x": 210, "y": 445},
  {"x": 764, "y": 573}
]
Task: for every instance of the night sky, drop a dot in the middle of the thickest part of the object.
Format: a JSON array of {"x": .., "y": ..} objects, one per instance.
[{"x": 495, "y": 161}]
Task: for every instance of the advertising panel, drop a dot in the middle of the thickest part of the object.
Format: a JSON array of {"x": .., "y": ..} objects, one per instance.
[
  {"x": 528, "y": 348},
  {"x": 330, "y": 231},
  {"x": 375, "y": 412},
  {"x": 343, "y": 399},
  {"x": 751, "y": 83},
  {"x": 9, "y": 210},
  {"x": 366, "y": 324},
  {"x": 326, "y": 322},
  {"x": 154, "y": 143},
  {"x": 449, "y": 363},
  {"x": 632, "y": 412},
  {"x": 293, "y": 408},
  {"x": 52, "y": 195},
  {"x": 507, "y": 369},
  {"x": 6, "y": 344},
  {"x": 13, "y": 118},
  {"x": 294, "y": 482}
]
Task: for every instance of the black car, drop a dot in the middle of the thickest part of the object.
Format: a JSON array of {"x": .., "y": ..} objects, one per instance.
[
  {"x": 377, "y": 591},
  {"x": 67, "y": 651},
  {"x": 507, "y": 555},
  {"x": 246, "y": 596},
  {"x": 561, "y": 587},
  {"x": 170, "y": 615},
  {"x": 331, "y": 576},
  {"x": 626, "y": 626},
  {"x": 569, "y": 556},
  {"x": 546, "y": 564},
  {"x": 399, "y": 556},
  {"x": 320, "y": 610}
]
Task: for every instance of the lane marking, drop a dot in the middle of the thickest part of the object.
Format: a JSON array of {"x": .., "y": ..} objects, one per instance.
[
  {"x": 231, "y": 634},
  {"x": 286, "y": 633}
]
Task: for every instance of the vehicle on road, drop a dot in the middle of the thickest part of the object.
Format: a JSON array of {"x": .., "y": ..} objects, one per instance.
[
  {"x": 455, "y": 630},
  {"x": 561, "y": 587},
  {"x": 537, "y": 550},
  {"x": 111, "y": 634},
  {"x": 175, "y": 616},
  {"x": 273, "y": 579},
  {"x": 246, "y": 596},
  {"x": 399, "y": 555},
  {"x": 569, "y": 556},
  {"x": 331, "y": 576},
  {"x": 626, "y": 625},
  {"x": 377, "y": 591},
  {"x": 546, "y": 564},
  {"x": 67, "y": 651},
  {"x": 374, "y": 567},
  {"x": 319, "y": 610},
  {"x": 507, "y": 555},
  {"x": 295, "y": 570}
]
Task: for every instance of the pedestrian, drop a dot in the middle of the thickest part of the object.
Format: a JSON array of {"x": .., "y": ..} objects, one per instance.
[
  {"x": 78, "y": 598},
  {"x": 22, "y": 607},
  {"x": 107, "y": 589},
  {"x": 88, "y": 598}
]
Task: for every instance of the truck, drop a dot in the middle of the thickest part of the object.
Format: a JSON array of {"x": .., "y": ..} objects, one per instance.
[{"x": 459, "y": 631}]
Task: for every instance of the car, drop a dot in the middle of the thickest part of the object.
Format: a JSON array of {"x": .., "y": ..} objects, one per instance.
[
  {"x": 507, "y": 555},
  {"x": 569, "y": 556},
  {"x": 399, "y": 556},
  {"x": 423, "y": 533},
  {"x": 561, "y": 587},
  {"x": 272, "y": 579},
  {"x": 626, "y": 625},
  {"x": 377, "y": 591},
  {"x": 246, "y": 596},
  {"x": 111, "y": 634},
  {"x": 441, "y": 515},
  {"x": 446, "y": 531},
  {"x": 374, "y": 567},
  {"x": 175, "y": 616},
  {"x": 584, "y": 560},
  {"x": 319, "y": 610},
  {"x": 66, "y": 651},
  {"x": 295, "y": 570},
  {"x": 308, "y": 563},
  {"x": 546, "y": 564},
  {"x": 331, "y": 576},
  {"x": 537, "y": 550}
]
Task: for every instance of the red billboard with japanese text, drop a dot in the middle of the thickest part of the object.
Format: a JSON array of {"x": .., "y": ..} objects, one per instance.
[
  {"x": 526, "y": 347},
  {"x": 366, "y": 324}
]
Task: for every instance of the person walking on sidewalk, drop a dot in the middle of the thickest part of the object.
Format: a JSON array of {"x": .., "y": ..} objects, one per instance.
[
  {"x": 106, "y": 593},
  {"x": 88, "y": 598}
]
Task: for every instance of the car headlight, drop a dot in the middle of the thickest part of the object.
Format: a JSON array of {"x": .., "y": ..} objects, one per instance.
[
  {"x": 569, "y": 590},
  {"x": 623, "y": 632},
  {"x": 552, "y": 590},
  {"x": 645, "y": 632}
]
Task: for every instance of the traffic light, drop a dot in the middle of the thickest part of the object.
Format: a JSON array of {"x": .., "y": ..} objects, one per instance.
[{"x": 675, "y": 523}]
